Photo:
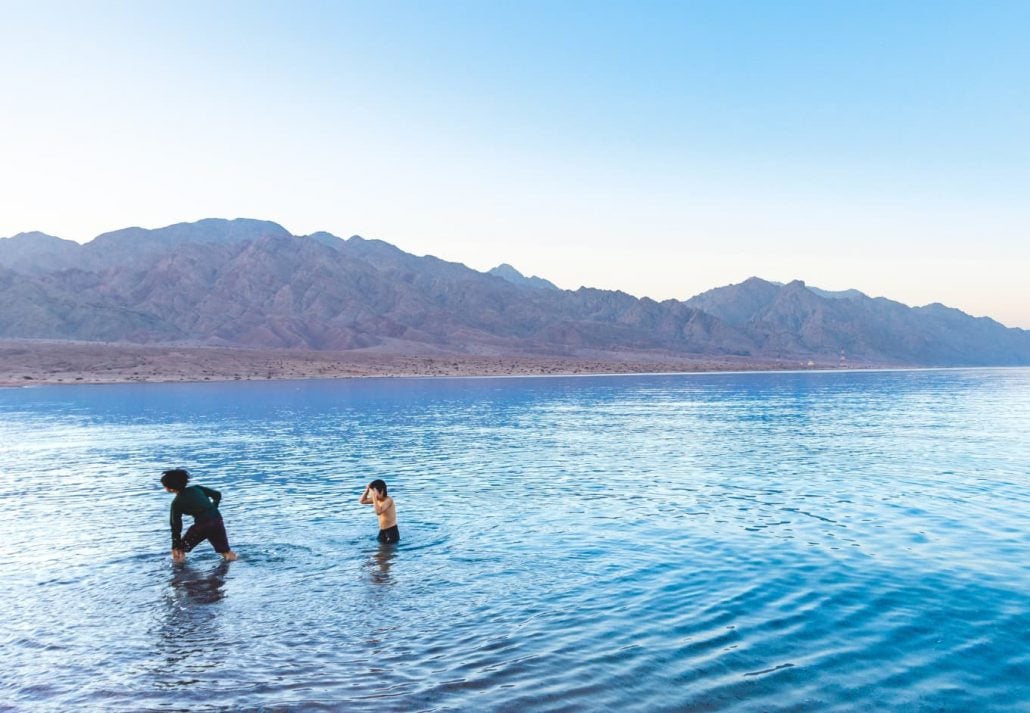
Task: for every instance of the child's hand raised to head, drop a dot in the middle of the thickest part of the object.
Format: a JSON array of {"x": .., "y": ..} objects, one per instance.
[{"x": 369, "y": 496}]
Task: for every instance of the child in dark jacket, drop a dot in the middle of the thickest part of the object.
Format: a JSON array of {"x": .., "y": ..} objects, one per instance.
[{"x": 202, "y": 504}]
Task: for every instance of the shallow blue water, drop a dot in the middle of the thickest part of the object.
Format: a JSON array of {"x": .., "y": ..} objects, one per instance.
[{"x": 740, "y": 542}]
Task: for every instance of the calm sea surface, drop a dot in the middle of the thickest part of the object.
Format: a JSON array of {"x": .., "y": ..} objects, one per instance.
[{"x": 739, "y": 542}]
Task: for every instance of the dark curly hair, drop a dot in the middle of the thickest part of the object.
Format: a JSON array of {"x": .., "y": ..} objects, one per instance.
[{"x": 176, "y": 478}]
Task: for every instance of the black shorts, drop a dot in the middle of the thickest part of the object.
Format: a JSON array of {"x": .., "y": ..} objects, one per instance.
[
  {"x": 211, "y": 530},
  {"x": 389, "y": 535}
]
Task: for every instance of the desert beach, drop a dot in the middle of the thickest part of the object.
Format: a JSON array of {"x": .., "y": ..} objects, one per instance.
[{"x": 33, "y": 363}]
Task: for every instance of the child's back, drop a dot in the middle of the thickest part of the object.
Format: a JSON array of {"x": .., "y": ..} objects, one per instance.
[{"x": 202, "y": 504}]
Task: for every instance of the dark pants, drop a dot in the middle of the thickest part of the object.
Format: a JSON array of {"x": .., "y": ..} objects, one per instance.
[
  {"x": 211, "y": 530},
  {"x": 389, "y": 535}
]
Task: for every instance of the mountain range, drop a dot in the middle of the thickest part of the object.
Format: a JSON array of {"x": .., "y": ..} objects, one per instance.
[{"x": 250, "y": 283}]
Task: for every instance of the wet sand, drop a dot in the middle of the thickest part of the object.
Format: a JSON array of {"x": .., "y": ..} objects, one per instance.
[{"x": 27, "y": 363}]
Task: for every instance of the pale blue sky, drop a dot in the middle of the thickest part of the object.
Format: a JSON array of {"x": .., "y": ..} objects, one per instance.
[{"x": 660, "y": 148}]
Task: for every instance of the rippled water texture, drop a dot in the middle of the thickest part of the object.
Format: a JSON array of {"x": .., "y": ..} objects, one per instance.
[{"x": 744, "y": 542}]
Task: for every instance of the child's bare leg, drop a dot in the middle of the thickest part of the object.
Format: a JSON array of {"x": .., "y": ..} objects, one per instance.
[
  {"x": 178, "y": 555},
  {"x": 229, "y": 556}
]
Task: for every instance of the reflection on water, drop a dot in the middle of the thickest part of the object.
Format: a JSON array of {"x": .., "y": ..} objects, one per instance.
[
  {"x": 190, "y": 630},
  {"x": 380, "y": 562},
  {"x": 750, "y": 542},
  {"x": 192, "y": 586}
]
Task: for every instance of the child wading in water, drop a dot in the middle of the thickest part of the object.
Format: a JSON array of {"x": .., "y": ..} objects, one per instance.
[
  {"x": 202, "y": 504},
  {"x": 375, "y": 495}
]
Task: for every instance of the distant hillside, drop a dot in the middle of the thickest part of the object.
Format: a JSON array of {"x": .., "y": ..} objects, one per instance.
[
  {"x": 251, "y": 283},
  {"x": 797, "y": 319}
]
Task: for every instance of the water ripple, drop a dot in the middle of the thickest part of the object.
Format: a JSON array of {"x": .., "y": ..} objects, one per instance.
[{"x": 752, "y": 542}]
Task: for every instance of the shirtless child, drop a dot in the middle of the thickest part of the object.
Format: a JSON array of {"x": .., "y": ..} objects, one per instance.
[{"x": 375, "y": 495}]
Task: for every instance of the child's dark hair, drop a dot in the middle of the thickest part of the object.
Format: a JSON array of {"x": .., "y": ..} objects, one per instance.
[
  {"x": 378, "y": 485},
  {"x": 176, "y": 478}
]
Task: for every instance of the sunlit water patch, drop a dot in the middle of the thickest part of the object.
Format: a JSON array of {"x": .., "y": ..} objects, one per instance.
[{"x": 742, "y": 542}]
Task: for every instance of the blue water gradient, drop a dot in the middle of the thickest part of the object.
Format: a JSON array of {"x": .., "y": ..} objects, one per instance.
[{"x": 726, "y": 542}]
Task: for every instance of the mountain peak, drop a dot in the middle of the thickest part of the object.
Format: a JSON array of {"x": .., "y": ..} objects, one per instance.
[
  {"x": 737, "y": 304},
  {"x": 510, "y": 274},
  {"x": 208, "y": 230},
  {"x": 373, "y": 247},
  {"x": 36, "y": 235},
  {"x": 326, "y": 238},
  {"x": 851, "y": 294},
  {"x": 35, "y": 252},
  {"x": 507, "y": 272}
]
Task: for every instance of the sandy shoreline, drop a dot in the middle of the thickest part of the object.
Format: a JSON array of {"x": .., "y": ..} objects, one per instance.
[{"x": 29, "y": 363}]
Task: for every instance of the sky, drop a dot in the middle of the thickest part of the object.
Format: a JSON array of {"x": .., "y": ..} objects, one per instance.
[{"x": 660, "y": 148}]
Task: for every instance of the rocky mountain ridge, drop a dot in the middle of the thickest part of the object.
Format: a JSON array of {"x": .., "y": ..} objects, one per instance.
[{"x": 251, "y": 283}]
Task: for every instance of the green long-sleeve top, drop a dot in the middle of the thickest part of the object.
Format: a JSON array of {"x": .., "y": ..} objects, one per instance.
[{"x": 195, "y": 500}]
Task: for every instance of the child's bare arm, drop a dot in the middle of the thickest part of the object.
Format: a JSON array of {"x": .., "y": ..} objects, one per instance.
[
  {"x": 365, "y": 499},
  {"x": 382, "y": 504}
]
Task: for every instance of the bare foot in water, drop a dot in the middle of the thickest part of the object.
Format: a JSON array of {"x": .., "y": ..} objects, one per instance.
[{"x": 229, "y": 556}]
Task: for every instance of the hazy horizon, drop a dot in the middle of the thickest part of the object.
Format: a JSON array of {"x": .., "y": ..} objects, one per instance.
[{"x": 662, "y": 150}]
